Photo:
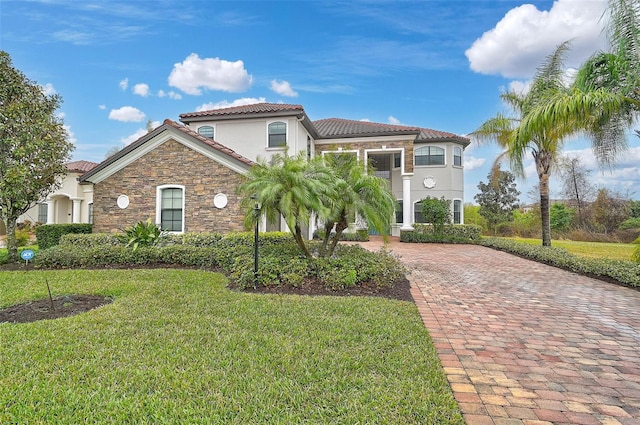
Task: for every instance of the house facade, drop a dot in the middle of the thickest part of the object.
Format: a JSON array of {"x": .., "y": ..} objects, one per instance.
[
  {"x": 184, "y": 175},
  {"x": 70, "y": 203}
]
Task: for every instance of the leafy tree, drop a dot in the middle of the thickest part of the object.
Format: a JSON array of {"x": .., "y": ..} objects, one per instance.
[
  {"x": 522, "y": 134},
  {"x": 355, "y": 192},
  {"x": 498, "y": 198},
  {"x": 292, "y": 187},
  {"x": 576, "y": 187},
  {"x": 561, "y": 217},
  {"x": 472, "y": 216},
  {"x": 33, "y": 146},
  {"x": 609, "y": 211},
  {"x": 634, "y": 207},
  {"x": 527, "y": 224},
  {"x": 437, "y": 212}
]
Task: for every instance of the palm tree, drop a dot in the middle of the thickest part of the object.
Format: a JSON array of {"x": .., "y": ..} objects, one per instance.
[
  {"x": 358, "y": 192},
  {"x": 605, "y": 98},
  {"x": 289, "y": 186},
  {"x": 544, "y": 142}
]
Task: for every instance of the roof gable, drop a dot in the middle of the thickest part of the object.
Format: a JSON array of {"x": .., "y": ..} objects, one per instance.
[{"x": 169, "y": 130}]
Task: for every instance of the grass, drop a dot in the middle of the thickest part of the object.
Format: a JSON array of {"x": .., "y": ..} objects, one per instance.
[
  {"x": 176, "y": 346},
  {"x": 613, "y": 251}
]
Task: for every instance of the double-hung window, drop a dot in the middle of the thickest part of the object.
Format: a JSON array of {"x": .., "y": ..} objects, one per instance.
[{"x": 171, "y": 208}]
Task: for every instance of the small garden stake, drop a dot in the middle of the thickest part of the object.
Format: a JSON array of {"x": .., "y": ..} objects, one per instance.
[{"x": 50, "y": 297}]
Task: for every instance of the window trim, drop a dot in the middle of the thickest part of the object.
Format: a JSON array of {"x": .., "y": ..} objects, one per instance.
[
  {"x": 456, "y": 148},
  {"x": 286, "y": 135},
  {"x": 159, "y": 190},
  {"x": 453, "y": 211},
  {"x": 444, "y": 155},
  {"x": 213, "y": 127}
]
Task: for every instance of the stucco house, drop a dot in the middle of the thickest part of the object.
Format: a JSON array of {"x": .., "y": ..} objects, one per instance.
[
  {"x": 184, "y": 175},
  {"x": 70, "y": 203}
]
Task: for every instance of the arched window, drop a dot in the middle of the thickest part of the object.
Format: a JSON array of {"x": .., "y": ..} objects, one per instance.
[
  {"x": 429, "y": 155},
  {"x": 206, "y": 131},
  {"x": 277, "y": 134},
  {"x": 170, "y": 208},
  {"x": 457, "y": 156}
]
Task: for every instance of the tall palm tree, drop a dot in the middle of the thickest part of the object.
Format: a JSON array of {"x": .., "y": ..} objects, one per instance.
[
  {"x": 605, "y": 98},
  {"x": 289, "y": 186},
  {"x": 544, "y": 142},
  {"x": 358, "y": 192}
]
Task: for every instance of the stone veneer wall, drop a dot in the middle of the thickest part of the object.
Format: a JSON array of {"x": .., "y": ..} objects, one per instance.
[
  {"x": 362, "y": 146},
  {"x": 168, "y": 164}
]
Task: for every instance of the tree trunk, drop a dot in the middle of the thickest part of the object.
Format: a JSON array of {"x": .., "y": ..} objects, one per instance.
[
  {"x": 328, "y": 227},
  {"x": 12, "y": 246},
  {"x": 297, "y": 235},
  {"x": 340, "y": 226},
  {"x": 544, "y": 209}
]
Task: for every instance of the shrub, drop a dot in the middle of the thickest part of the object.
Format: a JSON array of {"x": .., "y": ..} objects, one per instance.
[
  {"x": 48, "y": 235},
  {"x": 453, "y": 233},
  {"x": 141, "y": 234},
  {"x": 22, "y": 237},
  {"x": 89, "y": 240},
  {"x": 360, "y": 235},
  {"x": 68, "y": 256},
  {"x": 625, "y": 272},
  {"x": 630, "y": 223}
]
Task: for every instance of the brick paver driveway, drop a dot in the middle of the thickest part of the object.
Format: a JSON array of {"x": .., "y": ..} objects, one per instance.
[{"x": 526, "y": 343}]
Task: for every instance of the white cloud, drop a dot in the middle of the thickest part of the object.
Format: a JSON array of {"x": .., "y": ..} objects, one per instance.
[
  {"x": 525, "y": 36},
  {"x": 126, "y": 114},
  {"x": 171, "y": 94},
  {"x": 473, "y": 163},
  {"x": 194, "y": 73},
  {"x": 124, "y": 84},
  {"x": 138, "y": 134},
  {"x": 48, "y": 89},
  {"x": 71, "y": 137},
  {"x": 225, "y": 104},
  {"x": 141, "y": 89},
  {"x": 103, "y": 107},
  {"x": 283, "y": 88},
  {"x": 393, "y": 120}
]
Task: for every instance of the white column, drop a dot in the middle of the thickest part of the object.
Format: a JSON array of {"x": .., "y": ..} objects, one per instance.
[
  {"x": 50, "y": 210},
  {"x": 406, "y": 202},
  {"x": 76, "y": 210}
]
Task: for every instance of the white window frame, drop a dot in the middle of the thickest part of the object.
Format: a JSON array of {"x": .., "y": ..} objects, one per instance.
[
  {"x": 207, "y": 125},
  {"x": 454, "y": 156},
  {"x": 453, "y": 217},
  {"x": 444, "y": 148},
  {"x": 159, "y": 190},
  {"x": 286, "y": 141}
]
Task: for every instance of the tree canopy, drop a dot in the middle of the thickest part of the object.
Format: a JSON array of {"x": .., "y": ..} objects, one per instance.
[{"x": 34, "y": 147}]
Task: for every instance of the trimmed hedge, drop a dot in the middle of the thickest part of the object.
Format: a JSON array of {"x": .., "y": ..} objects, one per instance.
[
  {"x": 49, "y": 235},
  {"x": 625, "y": 272},
  {"x": 453, "y": 233},
  {"x": 360, "y": 235}
]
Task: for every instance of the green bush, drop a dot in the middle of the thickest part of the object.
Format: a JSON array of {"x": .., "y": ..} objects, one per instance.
[
  {"x": 452, "y": 233},
  {"x": 66, "y": 256},
  {"x": 625, "y": 272},
  {"x": 143, "y": 233},
  {"x": 48, "y": 235},
  {"x": 360, "y": 235},
  {"x": 630, "y": 223},
  {"x": 89, "y": 240},
  {"x": 22, "y": 237},
  {"x": 192, "y": 239}
]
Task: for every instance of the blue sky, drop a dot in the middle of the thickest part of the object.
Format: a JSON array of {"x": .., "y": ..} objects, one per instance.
[{"x": 434, "y": 64}]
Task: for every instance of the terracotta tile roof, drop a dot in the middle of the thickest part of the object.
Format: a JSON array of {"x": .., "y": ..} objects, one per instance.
[
  {"x": 212, "y": 143},
  {"x": 81, "y": 166},
  {"x": 338, "y": 128},
  {"x": 256, "y": 108}
]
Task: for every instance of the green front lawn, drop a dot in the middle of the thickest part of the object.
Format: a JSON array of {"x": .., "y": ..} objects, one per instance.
[
  {"x": 613, "y": 251},
  {"x": 176, "y": 346}
]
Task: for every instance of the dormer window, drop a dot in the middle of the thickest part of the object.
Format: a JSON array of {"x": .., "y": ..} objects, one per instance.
[
  {"x": 206, "y": 131},
  {"x": 277, "y": 134}
]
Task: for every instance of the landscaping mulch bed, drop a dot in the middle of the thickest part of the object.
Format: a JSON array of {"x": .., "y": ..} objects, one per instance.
[{"x": 64, "y": 306}]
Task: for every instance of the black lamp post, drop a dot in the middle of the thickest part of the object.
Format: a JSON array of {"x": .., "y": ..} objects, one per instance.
[{"x": 256, "y": 210}]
